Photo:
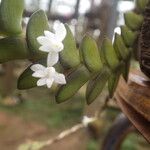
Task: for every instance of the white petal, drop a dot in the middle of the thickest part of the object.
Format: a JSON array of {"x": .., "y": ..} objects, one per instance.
[
  {"x": 37, "y": 67},
  {"x": 52, "y": 59},
  {"x": 43, "y": 40},
  {"x": 39, "y": 74},
  {"x": 49, "y": 35},
  {"x": 60, "y": 78},
  {"x": 50, "y": 44},
  {"x": 57, "y": 47},
  {"x": 41, "y": 82},
  {"x": 44, "y": 48},
  {"x": 49, "y": 82},
  {"x": 51, "y": 72},
  {"x": 60, "y": 31}
]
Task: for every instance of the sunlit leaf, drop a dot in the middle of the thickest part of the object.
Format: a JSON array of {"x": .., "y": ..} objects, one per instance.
[
  {"x": 36, "y": 26},
  {"x": 11, "y": 16},
  {"x": 108, "y": 53},
  {"x": 69, "y": 57},
  {"x": 129, "y": 37},
  {"x": 90, "y": 54},
  {"x": 120, "y": 47},
  {"x": 133, "y": 20}
]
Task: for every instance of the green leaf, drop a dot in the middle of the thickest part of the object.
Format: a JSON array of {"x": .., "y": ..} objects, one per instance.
[
  {"x": 129, "y": 37},
  {"x": 11, "y": 16},
  {"x": 113, "y": 82},
  {"x": 120, "y": 47},
  {"x": 96, "y": 85},
  {"x": 141, "y": 5},
  {"x": 90, "y": 54},
  {"x": 26, "y": 81},
  {"x": 126, "y": 68},
  {"x": 109, "y": 54},
  {"x": 69, "y": 57},
  {"x": 12, "y": 48},
  {"x": 133, "y": 21},
  {"x": 75, "y": 81},
  {"x": 36, "y": 26}
]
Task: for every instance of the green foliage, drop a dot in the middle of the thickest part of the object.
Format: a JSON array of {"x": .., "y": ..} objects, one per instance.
[
  {"x": 128, "y": 36},
  {"x": 26, "y": 81},
  {"x": 96, "y": 85},
  {"x": 133, "y": 20},
  {"x": 90, "y": 54},
  {"x": 120, "y": 47},
  {"x": 11, "y": 17},
  {"x": 109, "y": 54},
  {"x": 75, "y": 81},
  {"x": 12, "y": 48},
  {"x": 69, "y": 57},
  {"x": 113, "y": 82},
  {"x": 36, "y": 26},
  {"x": 93, "y": 65}
]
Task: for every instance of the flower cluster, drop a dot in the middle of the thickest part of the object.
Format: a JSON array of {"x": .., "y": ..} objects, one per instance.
[{"x": 52, "y": 44}]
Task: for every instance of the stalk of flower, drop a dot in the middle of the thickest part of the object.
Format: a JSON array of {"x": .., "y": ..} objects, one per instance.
[{"x": 52, "y": 44}]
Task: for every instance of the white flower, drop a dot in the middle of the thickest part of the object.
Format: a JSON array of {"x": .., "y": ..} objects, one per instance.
[
  {"x": 52, "y": 43},
  {"x": 47, "y": 75}
]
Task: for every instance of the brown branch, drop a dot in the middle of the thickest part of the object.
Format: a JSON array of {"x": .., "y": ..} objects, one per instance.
[
  {"x": 65, "y": 134},
  {"x": 41, "y": 144}
]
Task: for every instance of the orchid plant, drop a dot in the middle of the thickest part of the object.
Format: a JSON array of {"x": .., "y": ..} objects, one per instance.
[{"x": 55, "y": 58}]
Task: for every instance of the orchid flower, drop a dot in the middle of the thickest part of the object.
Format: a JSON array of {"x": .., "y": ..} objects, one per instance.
[
  {"x": 47, "y": 75},
  {"x": 52, "y": 43}
]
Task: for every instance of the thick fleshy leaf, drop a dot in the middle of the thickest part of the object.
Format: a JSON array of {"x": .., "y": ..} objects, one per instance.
[
  {"x": 133, "y": 20},
  {"x": 75, "y": 81},
  {"x": 90, "y": 54},
  {"x": 69, "y": 57},
  {"x": 126, "y": 69},
  {"x": 12, "y": 48},
  {"x": 96, "y": 85},
  {"x": 38, "y": 23},
  {"x": 109, "y": 55},
  {"x": 26, "y": 80},
  {"x": 11, "y": 16},
  {"x": 120, "y": 47},
  {"x": 113, "y": 82},
  {"x": 129, "y": 37}
]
